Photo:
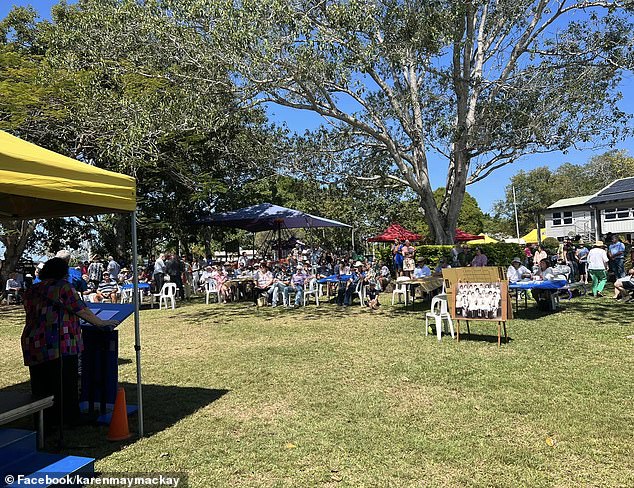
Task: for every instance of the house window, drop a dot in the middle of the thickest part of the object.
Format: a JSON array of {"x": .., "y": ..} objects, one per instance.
[
  {"x": 617, "y": 213},
  {"x": 562, "y": 218}
]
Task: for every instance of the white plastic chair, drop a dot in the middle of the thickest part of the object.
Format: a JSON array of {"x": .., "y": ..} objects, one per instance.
[
  {"x": 400, "y": 288},
  {"x": 311, "y": 288},
  {"x": 211, "y": 288},
  {"x": 360, "y": 292},
  {"x": 126, "y": 295},
  {"x": 439, "y": 312},
  {"x": 168, "y": 292}
]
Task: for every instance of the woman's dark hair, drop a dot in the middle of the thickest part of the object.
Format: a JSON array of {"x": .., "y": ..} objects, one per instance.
[{"x": 54, "y": 269}]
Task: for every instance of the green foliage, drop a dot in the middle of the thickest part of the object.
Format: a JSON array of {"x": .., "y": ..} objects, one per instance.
[
  {"x": 501, "y": 253},
  {"x": 498, "y": 254},
  {"x": 442, "y": 75},
  {"x": 433, "y": 254},
  {"x": 551, "y": 245}
]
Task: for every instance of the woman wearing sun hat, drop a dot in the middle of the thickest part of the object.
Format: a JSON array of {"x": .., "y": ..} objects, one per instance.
[{"x": 597, "y": 268}]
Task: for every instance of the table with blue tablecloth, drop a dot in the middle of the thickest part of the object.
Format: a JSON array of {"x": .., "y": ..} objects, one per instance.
[
  {"x": 332, "y": 279},
  {"x": 143, "y": 288},
  {"x": 130, "y": 286},
  {"x": 552, "y": 287}
]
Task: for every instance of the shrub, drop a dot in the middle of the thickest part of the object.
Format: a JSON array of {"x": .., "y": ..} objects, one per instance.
[
  {"x": 498, "y": 254},
  {"x": 551, "y": 245}
]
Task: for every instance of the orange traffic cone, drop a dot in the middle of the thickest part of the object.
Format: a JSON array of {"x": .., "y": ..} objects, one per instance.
[{"x": 119, "y": 430}]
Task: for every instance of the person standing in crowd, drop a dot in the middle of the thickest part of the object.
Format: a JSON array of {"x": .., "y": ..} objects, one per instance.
[
  {"x": 456, "y": 250},
  {"x": 597, "y": 268},
  {"x": 95, "y": 270},
  {"x": 480, "y": 259},
  {"x": 582, "y": 263},
  {"x": 408, "y": 258},
  {"x": 243, "y": 260},
  {"x": 196, "y": 274},
  {"x": 571, "y": 262},
  {"x": 174, "y": 268},
  {"x": 528, "y": 256},
  {"x": 539, "y": 255},
  {"x": 113, "y": 268},
  {"x": 51, "y": 340},
  {"x": 616, "y": 255},
  {"x": 158, "y": 276},
  {"x": 397, "y": 253}
]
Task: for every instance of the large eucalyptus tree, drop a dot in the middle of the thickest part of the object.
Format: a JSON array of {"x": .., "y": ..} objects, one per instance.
[{"x": 470, "y": 85}]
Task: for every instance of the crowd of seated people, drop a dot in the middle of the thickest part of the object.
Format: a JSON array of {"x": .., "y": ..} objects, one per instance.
[{"x": 250, "y": 277}]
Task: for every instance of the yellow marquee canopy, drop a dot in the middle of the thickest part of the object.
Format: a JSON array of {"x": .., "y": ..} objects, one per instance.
[
  {"x": 531, "y": 237},
  {"x": 38, "y": 183},
  {"x": 485, "y": 239}
]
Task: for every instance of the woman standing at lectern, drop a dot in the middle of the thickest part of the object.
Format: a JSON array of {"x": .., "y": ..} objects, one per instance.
[{"x": 52, "y": 307}]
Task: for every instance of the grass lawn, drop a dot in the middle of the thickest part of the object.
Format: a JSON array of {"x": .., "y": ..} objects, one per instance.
[{"x": 324, "y": 396}]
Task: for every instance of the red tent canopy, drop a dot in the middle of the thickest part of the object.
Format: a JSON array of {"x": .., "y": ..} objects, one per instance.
[
  {"x": 395, "y": 231},
  {"x": 465, "y": 236}
]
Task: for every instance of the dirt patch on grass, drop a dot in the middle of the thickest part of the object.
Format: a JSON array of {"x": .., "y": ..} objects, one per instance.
[
  {"x": 261, "y": 411},
  {"x": 408, "y": 398}
]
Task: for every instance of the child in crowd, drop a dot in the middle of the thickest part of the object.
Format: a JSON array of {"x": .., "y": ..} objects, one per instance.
[{"x": 372, "y": 295}]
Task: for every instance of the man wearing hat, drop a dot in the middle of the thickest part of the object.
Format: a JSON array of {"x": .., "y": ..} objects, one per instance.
[
  {"x": 517, "y": 271},
  {"x": 297, "y": 283},
  {"x": 598, "y": 267}
]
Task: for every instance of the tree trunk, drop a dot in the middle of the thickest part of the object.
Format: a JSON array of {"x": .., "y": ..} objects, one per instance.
[{"x": 15, "y": 237}]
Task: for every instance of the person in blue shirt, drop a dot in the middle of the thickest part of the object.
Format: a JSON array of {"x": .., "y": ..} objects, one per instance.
[
  {"x": 421, "y": 270},
  {"x": 74, "y": 274},
  {"x": 616, "y": 254}
]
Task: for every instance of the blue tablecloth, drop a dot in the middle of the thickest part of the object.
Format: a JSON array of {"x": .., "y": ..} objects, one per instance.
[
  {"x": 130, "y": 286},
  {"x": 334, "y": 279},
  {"x": 538, "y": 285}
]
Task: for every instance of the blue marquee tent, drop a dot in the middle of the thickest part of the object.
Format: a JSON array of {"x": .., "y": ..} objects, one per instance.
[{"x": 267, "y": 216}]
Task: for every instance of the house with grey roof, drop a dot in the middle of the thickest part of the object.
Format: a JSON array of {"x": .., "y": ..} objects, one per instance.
[{"x": 611, "y": 209}]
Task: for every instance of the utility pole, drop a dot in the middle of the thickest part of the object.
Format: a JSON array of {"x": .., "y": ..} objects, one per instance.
[{"x": 517, "y": 222}]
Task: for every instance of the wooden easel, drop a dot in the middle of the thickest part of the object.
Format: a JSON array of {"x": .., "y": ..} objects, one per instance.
[
  {"x": 501, "y": 324},
  {"x": 487, "y": 274}
]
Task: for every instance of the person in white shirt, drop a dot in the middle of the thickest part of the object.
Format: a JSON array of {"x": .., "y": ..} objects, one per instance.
[
  {"x": 623, "y": 286},
  {"x": 545, "y": 272},
  {"x": 597, "y": 268},
  {"x": 421, "y": 270},
  {"x": 158, "y": 275},
  {"x": 13, "y": 288},
  {"x": 517, "y": 271},
  {"x": 206, "y": 276},
  {"x": 539, "y": 255}
]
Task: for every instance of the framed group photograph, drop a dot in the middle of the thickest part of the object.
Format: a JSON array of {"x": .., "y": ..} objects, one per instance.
[{"x": 480, "y": 301}]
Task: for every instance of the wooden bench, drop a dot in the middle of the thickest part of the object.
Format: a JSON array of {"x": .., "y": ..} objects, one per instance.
[{"x": 579, "y": 285}]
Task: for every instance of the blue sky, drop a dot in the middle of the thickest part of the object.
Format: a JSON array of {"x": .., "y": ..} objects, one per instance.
[{"x": 486, "y": 192}]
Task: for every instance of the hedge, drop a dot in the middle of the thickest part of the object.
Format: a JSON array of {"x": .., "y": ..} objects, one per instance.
[{"x": 498, "y": 254}]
